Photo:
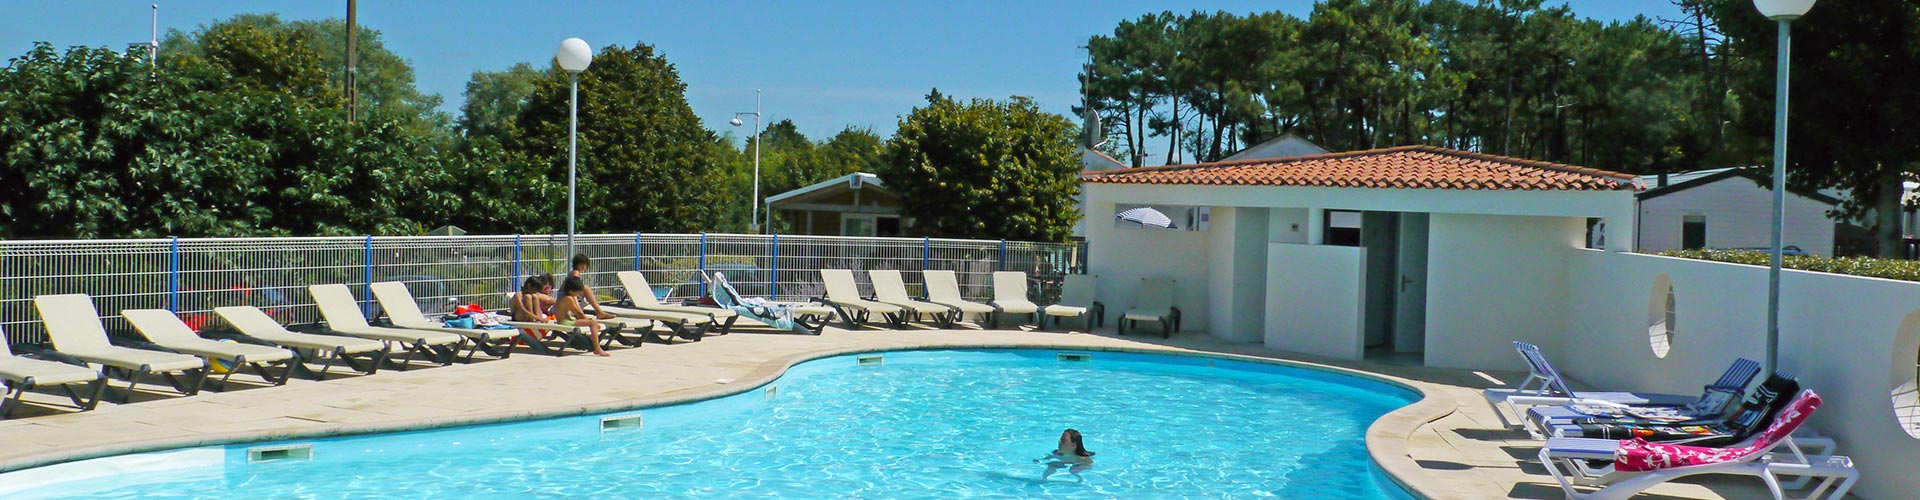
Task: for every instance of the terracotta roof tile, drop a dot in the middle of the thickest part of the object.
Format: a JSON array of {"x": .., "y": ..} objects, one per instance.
[{"x": 1405, "y": 167}]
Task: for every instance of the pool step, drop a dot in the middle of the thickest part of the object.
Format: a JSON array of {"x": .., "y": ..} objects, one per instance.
[
  {"x": 1075, "y": 357},
  {"x": 617, "y": 422},
  {"x": 302, "y": 451}
]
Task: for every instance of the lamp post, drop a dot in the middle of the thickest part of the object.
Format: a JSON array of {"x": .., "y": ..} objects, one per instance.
[
  {"x": 753, "y": 223},
  {"x": 1783, "y": 12},
  {"x": 574, "y": 57}
]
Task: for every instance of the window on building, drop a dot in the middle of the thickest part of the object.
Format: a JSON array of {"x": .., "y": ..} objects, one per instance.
[
  {"x": 857, "y": 225},
  {"x": 1693, "y": 232},
  {"x": 1343, "y": 228}
]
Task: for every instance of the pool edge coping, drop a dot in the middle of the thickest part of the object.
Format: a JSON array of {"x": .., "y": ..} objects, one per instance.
[{"x": 1386, "y": 438}]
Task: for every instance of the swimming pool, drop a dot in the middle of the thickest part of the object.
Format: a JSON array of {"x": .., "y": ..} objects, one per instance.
[{"x": 914, "y": 424}]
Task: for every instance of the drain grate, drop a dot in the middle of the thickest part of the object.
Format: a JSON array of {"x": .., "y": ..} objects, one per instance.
[
  {"x": 301, "y": 451},
  {"x": 1075, "y": 357},
  {"x": 620, "y": 422}
]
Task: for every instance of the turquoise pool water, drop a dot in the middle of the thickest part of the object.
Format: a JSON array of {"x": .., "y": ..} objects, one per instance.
[{"x": 920, "y": 424}]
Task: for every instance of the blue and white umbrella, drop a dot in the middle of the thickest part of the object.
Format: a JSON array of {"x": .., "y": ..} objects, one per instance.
[{"x": 1146, "y": 216}]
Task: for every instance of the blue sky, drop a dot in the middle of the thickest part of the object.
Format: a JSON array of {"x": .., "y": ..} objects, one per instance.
[{"x": 825, "y": 65}]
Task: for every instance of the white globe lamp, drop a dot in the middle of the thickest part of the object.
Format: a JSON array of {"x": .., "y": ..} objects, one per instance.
[{"x": 1783, "y": 10}]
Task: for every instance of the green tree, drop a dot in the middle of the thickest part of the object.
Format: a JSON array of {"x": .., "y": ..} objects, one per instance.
[
  {"x": 646, "y": 163},
  {"x": 1854, "y": 109},
  {"x": 495, "y": 99},
  {"x": 985, "y": 169}
]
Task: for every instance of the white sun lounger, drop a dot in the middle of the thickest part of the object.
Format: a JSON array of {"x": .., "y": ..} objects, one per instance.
[
  {"x": 337, "y": 305},
  {"x": 166, "y": 331},
  {"x": 943, "y": 287},
  {"x": 1010, "y": 297},
  {"x": 1153, "y": 301},
  {"x": 1768, "y": 455},
  {"x": 641, "y": 293},
  {"x": 401, "y": 309},
  {"x": 1545, "y": 386},
  {"x": 25, "y": 374},
  {"x": 1076, "y": 301},
  {"x": 890, "y": 288},
  {"x": 256, "y": 326},
  {"x": 73, "y": 324},
  {"x": 843, "y": 293}
]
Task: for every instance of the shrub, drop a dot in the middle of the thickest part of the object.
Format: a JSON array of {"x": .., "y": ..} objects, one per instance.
[{"x": 1904, "y": 270}]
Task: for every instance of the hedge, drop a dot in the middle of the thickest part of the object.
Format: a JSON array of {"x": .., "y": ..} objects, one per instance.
[{"x": 1893, "y": 269}]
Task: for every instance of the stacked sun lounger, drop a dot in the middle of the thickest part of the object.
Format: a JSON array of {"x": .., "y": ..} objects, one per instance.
[{"x": 1613, "y": 445}]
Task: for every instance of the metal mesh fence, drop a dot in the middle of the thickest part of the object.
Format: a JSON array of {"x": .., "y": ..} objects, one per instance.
[{"x": 193, "y": 276}]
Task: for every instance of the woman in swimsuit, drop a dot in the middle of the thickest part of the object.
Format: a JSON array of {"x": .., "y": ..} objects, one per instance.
[{"x": 1071, "y": 454}]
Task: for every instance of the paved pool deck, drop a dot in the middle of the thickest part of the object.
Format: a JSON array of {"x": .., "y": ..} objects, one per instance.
[{"x": 1449, "y": 445}]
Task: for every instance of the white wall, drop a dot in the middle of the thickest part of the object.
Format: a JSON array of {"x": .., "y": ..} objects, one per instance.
[
  {"x": 1121, "y": 257},
  {"x": 1237, "y": 274},
  {"x": 1314, "y": 297},
  {"x": 1287, "y": 225},
  {"x": 1838, "y": 334},
  {"x": 1739, "y": 215},
  {"x": 1492, "y": 280}
]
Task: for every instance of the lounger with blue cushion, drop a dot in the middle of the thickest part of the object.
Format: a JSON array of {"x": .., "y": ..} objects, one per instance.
[
  {"x": 1545, "y": 386},
  {"x": 1714, "y": 400}
]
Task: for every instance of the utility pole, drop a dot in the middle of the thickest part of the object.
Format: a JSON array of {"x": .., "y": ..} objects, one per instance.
[{"x": 353, "y": 58}]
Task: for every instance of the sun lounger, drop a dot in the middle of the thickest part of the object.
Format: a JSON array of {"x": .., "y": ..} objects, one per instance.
[
  {"x": 640, "y": 293},
  {"x": 74, "y": 326},
  {"x": 166, "y": 331},
  {"x": 690, "y": 323},
  {"x": 401, "y": 310},
  {"x": 943, "y": 287},
  {"x": 1153, "y": 301},
  {"x": 343, "y": 316},
  {"x": 23, "y": 374},
  {"x": 1076, "y": 301},
  {"x": 889, "y": 288},
  {"x": 1545, "y": 386},
  {"x": 1624, "y": 468},
  {"x": 843, "y": 293},
  {"x": 1715, "y": 400},
  {"x": 255, "y": 326},
  {"x": 1010, "y": 297},
  {"x": 809, "y": 318}
]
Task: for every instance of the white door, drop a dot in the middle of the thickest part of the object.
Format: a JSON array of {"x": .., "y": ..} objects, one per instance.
[{"x": 1410, "y": 296}]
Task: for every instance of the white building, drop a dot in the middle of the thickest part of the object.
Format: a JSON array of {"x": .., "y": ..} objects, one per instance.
[
  {"x": 1728, "y": 208},
  {"x": 1459, "y": 254}
]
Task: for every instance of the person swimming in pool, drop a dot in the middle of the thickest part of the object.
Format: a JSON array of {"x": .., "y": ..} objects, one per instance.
[{"x": 1071, "y": 454}]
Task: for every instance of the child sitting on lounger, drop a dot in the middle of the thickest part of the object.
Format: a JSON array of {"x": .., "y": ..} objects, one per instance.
[
  {"x": 1072, "y": 455},
  {"x": 573, "y": 291}
]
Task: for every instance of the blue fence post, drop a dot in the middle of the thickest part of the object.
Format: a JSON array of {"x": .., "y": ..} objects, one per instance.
[
  {"x": 703, "y": 264},
  {"x": 774, "y": 275},
  {"x": 1003, "y": 256},
  {"x": 926, "y": 253},
  {"x": 367, "y": 291},
  {"x": 173, "y": 274},
  {"x": 514, "y": 282},
  {"x": 636, "y": 256}
]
